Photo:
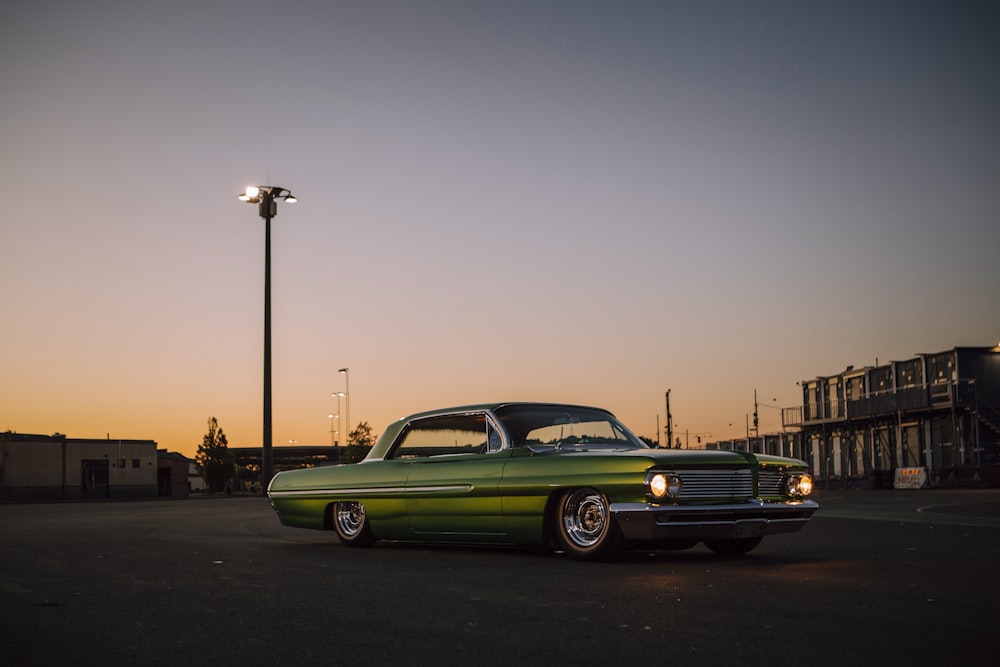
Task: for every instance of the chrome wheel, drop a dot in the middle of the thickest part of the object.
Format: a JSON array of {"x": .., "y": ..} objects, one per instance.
[
  {"x": 350, "y": 518},
  {"x": 585, "y": 518},
  {"x": 585, "y": 527},
  {"x": 351, "y": 524}
]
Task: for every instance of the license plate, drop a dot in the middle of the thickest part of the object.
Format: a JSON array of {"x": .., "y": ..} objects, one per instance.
[{"x": 749, "y": 529}]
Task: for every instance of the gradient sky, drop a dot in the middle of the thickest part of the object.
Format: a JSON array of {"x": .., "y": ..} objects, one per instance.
[{"x": 571, "y": 201}]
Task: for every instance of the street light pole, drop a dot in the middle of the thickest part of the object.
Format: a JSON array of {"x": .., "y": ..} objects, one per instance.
[
  {"x": 266, "y": 196},
  {"x": 347, "y": 406},
  {"x": 338, "y": 395}
]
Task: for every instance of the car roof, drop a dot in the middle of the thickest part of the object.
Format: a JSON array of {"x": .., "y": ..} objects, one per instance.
[
  {"x": 480, "y": 407},
  {"x": 393, "y": 429}
]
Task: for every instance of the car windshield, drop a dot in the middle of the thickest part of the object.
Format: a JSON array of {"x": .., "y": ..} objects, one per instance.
[{"x": 549, "y": 427}]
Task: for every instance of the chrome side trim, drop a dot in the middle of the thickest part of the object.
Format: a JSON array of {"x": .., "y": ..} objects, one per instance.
[
  {"x": 438, "y": 489},
  {"x": 371, "y": 491}
]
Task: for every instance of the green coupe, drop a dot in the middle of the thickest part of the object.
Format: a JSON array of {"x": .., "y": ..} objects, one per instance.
[{"x": 536, "y": 473}]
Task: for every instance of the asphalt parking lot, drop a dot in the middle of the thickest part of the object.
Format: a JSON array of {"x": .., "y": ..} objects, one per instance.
[
  {"x": 892, "y": 577},
  {"x": 971, "y": 507}
]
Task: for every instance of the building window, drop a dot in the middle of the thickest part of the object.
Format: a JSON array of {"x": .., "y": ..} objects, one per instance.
[{"x": 135, "y": 463}]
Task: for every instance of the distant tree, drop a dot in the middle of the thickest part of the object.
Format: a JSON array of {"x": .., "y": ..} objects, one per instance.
[
  {"x": 360, "y": 442},
  {"x": 218, "y": 465},
  {"x": 362, "y": 435}
]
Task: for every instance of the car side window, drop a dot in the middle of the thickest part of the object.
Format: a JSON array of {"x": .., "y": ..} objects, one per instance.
[
  {"x": 449, "y": 434},
  {"x": 494, "y": 441}
]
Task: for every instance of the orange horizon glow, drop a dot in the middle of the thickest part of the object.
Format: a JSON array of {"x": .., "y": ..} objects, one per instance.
[{"x": 303, "y": 418}]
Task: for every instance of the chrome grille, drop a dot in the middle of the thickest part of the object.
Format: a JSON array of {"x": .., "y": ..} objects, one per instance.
[
  {"x": 770, "y": 483},
  {"x": 716, "y": 483}
]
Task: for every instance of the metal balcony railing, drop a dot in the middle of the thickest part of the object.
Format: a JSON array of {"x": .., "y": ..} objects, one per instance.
[{"x": 958, "y": 394}]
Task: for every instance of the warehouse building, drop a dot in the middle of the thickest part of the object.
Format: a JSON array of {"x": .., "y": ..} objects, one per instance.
[
  {"x": 54, "y": 467},
  {"x": 935, "y": 416},
  {"x": 933, "y": 420}
]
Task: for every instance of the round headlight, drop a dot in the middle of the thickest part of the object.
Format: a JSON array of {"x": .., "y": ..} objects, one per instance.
[
  {"x": 805, "y": 485},
  {"x": 658, "y": 485},
  {"x": 661, "y": 485},
  {"x": 673, "y": 486},
  {"x": 800, "y": 485}
]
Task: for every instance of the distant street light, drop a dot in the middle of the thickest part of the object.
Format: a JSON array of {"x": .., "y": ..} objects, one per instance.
[
  {"x": 266, "y": 196},
  {"x": 347, "y": 393},
  {"x": 333, "y": 432},
  {"x": 338, "y": 395}
]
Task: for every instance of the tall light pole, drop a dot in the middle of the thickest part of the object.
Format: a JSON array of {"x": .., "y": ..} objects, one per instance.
[
  {"x": 266, "y": 196},
  {"x": 333, "y": 436},
  {"x": 347, "y": 393},
  {"x": 338, "y": 395}
]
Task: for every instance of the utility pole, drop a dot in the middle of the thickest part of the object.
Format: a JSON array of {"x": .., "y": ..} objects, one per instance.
[
  {"x": 670, "y": 423},
  {"x": 756, "y": 420}
]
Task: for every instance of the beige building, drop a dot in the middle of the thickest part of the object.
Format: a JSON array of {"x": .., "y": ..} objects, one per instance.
[{"x": 54, "y": 467}]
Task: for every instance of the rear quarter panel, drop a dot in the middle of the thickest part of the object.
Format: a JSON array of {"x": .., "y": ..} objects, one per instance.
[{"x": 301, "y": 497}]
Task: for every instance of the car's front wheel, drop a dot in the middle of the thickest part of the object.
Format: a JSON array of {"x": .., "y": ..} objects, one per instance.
[
  {"x": 584, "y": 526},
  {"x": 351, "y": 524}
]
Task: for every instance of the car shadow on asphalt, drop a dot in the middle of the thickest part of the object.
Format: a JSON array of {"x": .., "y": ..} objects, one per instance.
[{"x": 387, "y": 550}]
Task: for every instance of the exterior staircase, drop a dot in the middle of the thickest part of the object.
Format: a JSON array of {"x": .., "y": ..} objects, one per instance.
[{"x": 990, "y": 417}]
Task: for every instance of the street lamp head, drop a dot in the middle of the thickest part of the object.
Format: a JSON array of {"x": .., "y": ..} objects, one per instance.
[
  {"x": 251, "y": 195},
  {"x": 265, "y": 195}
]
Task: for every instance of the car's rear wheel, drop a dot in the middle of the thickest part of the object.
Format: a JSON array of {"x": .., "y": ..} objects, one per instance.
[
  {"x": 585, "y": 527},
  {"x": 351, "y": 523},
  {"x": 734, "y": 547}
]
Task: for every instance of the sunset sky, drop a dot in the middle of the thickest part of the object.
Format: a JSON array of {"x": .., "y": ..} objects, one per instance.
[{"x": 574, "y": 201}]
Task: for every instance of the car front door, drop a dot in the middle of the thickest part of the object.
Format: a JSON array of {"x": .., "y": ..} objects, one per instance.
[{"x": 454, "y": 465}]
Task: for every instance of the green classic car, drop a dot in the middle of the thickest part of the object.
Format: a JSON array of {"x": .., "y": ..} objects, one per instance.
[{"x": 567, "y": 476}]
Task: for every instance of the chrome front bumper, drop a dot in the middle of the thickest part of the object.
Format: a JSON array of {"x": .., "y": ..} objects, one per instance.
[{"x": 754, "y": 518}]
